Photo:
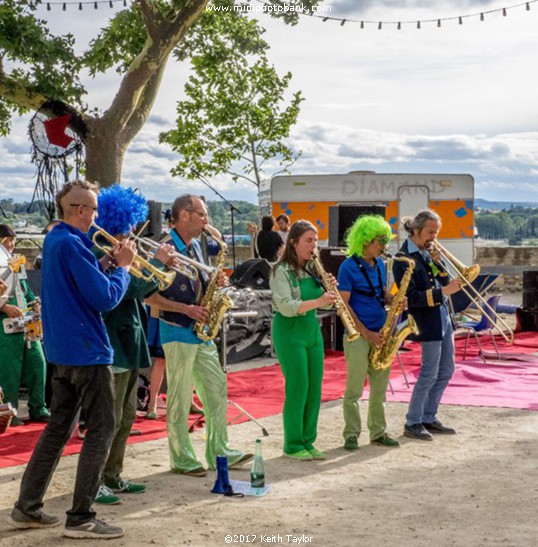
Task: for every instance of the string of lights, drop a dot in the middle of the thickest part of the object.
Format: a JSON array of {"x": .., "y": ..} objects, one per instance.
[
  {"x": 362, "y": 22},
  {"x": 80, "y": 5},
  {"x": 419, "y": 22}
]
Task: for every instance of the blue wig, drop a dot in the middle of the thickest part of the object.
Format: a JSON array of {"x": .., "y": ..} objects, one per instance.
[{"x": 121, "y": 209}]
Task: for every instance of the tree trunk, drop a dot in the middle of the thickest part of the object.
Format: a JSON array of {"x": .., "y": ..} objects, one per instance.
[{"x": 105, "y": 149}]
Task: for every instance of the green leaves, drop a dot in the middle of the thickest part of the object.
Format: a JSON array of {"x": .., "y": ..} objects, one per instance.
[{"x": 235, "y": 117}]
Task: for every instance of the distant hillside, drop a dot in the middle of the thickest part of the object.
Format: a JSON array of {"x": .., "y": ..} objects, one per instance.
[{"x": 496, "y": 205}]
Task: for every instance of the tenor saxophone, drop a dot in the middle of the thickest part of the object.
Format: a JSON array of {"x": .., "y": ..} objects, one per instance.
[
  {"x": 341, "y": 308},
  {"x": 216, "y": 302},
  {"x": 393, "y": 335}
]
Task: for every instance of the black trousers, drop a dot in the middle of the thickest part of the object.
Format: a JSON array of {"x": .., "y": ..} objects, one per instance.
[{"x": 72, "y": 386}]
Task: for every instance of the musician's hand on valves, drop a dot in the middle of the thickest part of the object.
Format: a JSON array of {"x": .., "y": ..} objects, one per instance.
[
  {"x": 165, "y": 254},
  {"x": 12, "y": 311},
  {"x": 453, "y": 287},
  {"x": 222, "y": 280},
  {"x": 198, "y": 313},
  {"x": 332, "y": 280},
  {"x": 374, "y": 338},
  {"x": 328, "y": 298},
  {"x": 124, "y": 253}
]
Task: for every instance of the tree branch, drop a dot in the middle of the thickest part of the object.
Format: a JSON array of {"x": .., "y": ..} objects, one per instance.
[
  {"x": 163, "y": 37},
  {"x": 16, "y": 92}
]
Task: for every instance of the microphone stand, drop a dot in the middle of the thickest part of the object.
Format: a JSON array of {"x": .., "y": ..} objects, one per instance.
[{"x": 232, "y": 207}]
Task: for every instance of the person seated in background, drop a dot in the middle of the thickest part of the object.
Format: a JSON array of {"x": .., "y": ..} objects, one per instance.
[
  {"x": 266, "y": 243},
  {"x": 21, "y": 361}
]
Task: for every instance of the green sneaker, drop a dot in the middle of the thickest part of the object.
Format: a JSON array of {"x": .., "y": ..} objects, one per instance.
[
  {"x": 317, "y": 454},
  {"x": 351, "y": 443},
  {"x": 302, "y": 455},
  {"x": 106, "y": 496},
  {"x": 385, "y": 440},
  {"x": 126, "y": 487}
]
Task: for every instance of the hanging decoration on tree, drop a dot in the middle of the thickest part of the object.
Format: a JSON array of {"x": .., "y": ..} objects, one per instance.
[{"x": 56, "y": 132}]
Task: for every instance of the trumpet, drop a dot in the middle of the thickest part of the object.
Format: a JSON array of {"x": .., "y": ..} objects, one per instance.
[
  {"x": 468, "y": 274},
  {"x": 140, "y": 267},
  {"x": 186, "y": 266}
]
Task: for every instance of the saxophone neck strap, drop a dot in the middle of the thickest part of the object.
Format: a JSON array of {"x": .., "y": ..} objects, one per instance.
[{"x": 372, "y": 292}]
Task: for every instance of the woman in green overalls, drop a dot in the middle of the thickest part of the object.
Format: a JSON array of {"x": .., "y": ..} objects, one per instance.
[{"x": 297, "y": 293}]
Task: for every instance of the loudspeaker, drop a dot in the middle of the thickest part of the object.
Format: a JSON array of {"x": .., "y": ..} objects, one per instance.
[
  {"x": 253, "y": 273},
  {"x": 222, "y": 484},
  {"x": 155, "y": 225},
  {"x": 341, "y": 217},
  {"x": 331, "y": 258}
]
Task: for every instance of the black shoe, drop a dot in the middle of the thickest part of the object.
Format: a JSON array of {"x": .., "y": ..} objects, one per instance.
[
  {"x": 417, "y": 431},
  {"x": 437, "y": 427}
]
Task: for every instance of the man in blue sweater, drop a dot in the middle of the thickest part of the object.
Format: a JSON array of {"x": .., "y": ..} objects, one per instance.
[{"x": 75, "y": 290}]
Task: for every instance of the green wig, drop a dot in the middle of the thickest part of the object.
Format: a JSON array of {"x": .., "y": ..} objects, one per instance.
[{"x": 364, "y": 230}]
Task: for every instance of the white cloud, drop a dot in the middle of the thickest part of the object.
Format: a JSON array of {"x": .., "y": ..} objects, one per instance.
[{"x": 456, "y": 99}]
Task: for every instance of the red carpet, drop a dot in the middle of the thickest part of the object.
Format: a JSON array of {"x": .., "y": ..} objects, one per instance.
[{"x": 261, "y": 391}]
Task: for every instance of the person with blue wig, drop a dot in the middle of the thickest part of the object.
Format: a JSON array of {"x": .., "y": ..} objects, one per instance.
[
  {"x": 362, "y": 283},
  {"x": 120, "y": 211}
]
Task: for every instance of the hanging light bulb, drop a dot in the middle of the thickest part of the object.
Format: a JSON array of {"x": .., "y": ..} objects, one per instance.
[
  {"x": 95, "y": 5},
  {"x": 111, "y": 4},
  {"x": 325, "y": 19},
  {"x": 399, "y": 26},
  {"x": 481, "y": 17},
  {"x": 418, "y": 24},
  {"x": 362, "y": 24},
  {"x": 48, "y": 6},
  {"x": 438, "y": 23},
  {"x": 343, "y": 22},
  {"x": 124, "y": 3},
  {"x": 460, "y": 21},
  {"x": 64, "y": 7},
  {"x": 528, "y": 7},
  {"x": 380, "y": 25},
  {"x": 504, "y": 12},
  {"x": 80, "y": 6}
]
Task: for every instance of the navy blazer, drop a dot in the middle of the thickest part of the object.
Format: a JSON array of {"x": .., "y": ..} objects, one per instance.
[{"x": 424, "y": 299}]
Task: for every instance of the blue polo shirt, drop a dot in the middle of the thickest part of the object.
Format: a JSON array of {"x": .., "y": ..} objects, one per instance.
[{"x": 352, "y": 280}]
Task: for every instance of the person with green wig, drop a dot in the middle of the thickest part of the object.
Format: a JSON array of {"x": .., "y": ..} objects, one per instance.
[{"x": 362, "y": 283}]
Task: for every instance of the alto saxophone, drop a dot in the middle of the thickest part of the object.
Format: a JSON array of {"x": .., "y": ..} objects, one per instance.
[
  {"x": 381, "y": 357},
  {"x": 216, "y": 302},
  {"x": 341, "y": 308}
]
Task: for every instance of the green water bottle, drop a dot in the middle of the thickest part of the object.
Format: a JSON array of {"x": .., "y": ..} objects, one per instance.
[{"x": 257, "y": 473}]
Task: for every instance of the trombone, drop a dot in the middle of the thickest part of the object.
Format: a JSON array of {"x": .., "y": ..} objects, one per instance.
[
  {"x": 140, "y": 267},
  {"x": 186, "y": 266},
  {"x": 468, "y": 274}
]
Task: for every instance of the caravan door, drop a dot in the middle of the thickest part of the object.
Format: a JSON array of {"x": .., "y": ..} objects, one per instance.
[{"x": 411, "y": 199}]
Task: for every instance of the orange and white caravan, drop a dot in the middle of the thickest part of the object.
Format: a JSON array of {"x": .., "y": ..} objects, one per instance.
[{"x": 320, "y": 199}]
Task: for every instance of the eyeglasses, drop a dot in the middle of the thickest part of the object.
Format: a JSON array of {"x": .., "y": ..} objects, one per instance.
[
  {"x": 383, "y": 240},
  {"x": 199, "y": 213},
  {"x": 83, "y": 205}
]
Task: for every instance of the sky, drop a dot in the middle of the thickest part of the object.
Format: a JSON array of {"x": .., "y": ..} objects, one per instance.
[{"x": 454, "y": 99}]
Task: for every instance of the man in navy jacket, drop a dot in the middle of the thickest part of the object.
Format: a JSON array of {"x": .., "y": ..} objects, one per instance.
[
  {"x": 427, "y": 303},
  {"x": 75, "y": 290}
]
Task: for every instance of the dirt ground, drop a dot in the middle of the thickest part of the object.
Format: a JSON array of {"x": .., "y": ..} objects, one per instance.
[{"x": 479, "y": 487}]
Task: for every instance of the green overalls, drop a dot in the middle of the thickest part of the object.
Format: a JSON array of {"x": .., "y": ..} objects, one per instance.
[
  {"x": 299, "y": 347},
  {"x": 20, "y": 363}
]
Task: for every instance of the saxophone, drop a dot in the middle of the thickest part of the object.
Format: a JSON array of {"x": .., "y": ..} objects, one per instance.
[
  {"x": 341, "y": 308},
  {"x": 381, "y": 357},
  {"x": 216, "y": 302}
]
